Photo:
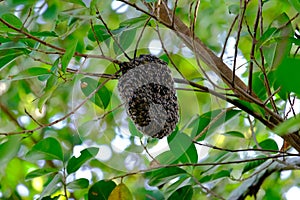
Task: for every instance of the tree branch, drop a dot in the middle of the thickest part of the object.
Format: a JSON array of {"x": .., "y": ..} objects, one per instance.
[
  {"x": 60, "y": 50},
  {"x": 251, "y": 186},
  {"x": 293, "y": 163}
]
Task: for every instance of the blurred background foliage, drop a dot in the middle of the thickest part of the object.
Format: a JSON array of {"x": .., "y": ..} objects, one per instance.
[{"x": 94, "y": 151}]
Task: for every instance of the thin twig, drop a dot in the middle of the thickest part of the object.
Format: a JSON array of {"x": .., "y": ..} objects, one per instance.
[
  {"x": 101, "y": 75},
  {"x": 244, "y": 150},
  {"x": 110, "y": 111},
  {"x": 206, "y": 189},
  {"x": 110, "y": 33},
  {"x": 267, "y": 83},
  {"x": 10, "y": 115},
  {"x": 254, "y": 173},
  {"x": 288, "y": 22},
  {"x": 31, "y": 117},
  {"x": 243, "y": 8},
  {"x": 139, "y": 38},
  {"x": 211, "y": 123},
  {"x": 201, "y": 90},
  {"x": 64, "y": 182},
  {"x": 173, "y": 13},
  {"x": 291, "y": 109},
  {"x": 61, "y": 51},
  {"x": 272, "y": 95},
  {"x": 147, "y": 152},
  {"x": 167, "y": 53},
  {"x": 77, "y": 54},
  {"x": 252, "y": 57},
  {"x": 253, "y": 132},
  {"x": 40, "y": 60},
  {"x": 228, "y": 35},
  {"x": 233, "y": 162},
  {"x": 27, "y": 17},
  {"x": 95, "y": 35}
]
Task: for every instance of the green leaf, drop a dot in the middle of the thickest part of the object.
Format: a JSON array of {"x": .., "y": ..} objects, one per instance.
[
  {"x": 66, "y": 58},
  {"x": 295, "y": 4},
  {"x": 125, "y": 40},
  {"x": 7, "y": 56},
  {"x": 258, "y": 85},
  {"x": 266, "y": 37},
  {"x": 4, "y": 40},
  {"x": 276, "y": 52},
  {"x": 100, "y": 32},
  {"x": 215, "y": 176},
  {"x": 51, "y": 85},
  {"x": 183, "y": 147},
  {"x": 40, "y": 172},
  {"x": 101, "y": 190},
  {"x": 12, "y": 46},
  {"x": 135, "y": 22},
  {"x": 48, "y": 91},
  {"x": 9, "y": 149},
  {"x": 121, "y": 192},
  {"x": 75, "y": 163},
  {"x": 253, "y": 164},
  {"x": 288, "y": 126},
  {"x": 102, "y": 96},
  {"x": 182, "y": 180},
  {"x": 287, "y": 75},
  {"x": 185, "y": 66},
  {"x": 200, "y": 123},
  {"x": 133, "y": 130},
  {"x": 185, "y": 193},
  {"x": 44, "y": 34},
  {"x": 39, "y": 72},
  {"x": 12, "y": 20},
  {"x": 234, "y": 134},
  {"x": 162, "y": 176},
  {"x": 78, "y": 184},
  {"x": 167, "y": 158},
  {"x": 52, "y": 11},
  {"x": 268, "y": 144},
  {"x": 46, "y": 149},
  {"x": 52, "y": 186},
  {"x": 36, "y": 71}
]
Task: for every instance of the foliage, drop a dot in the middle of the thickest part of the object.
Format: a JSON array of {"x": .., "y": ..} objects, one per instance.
[{"x": 65, "y": 134}]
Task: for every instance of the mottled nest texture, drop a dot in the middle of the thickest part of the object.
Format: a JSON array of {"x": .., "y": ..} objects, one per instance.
[{"x": 147, "y": 88}]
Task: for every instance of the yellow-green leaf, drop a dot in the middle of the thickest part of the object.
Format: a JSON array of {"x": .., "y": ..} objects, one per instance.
[{"x": 121, "y": 192}]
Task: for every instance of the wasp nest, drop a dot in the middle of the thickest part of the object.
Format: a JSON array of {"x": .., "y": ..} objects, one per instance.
[{"x": 147, "y": 89}]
